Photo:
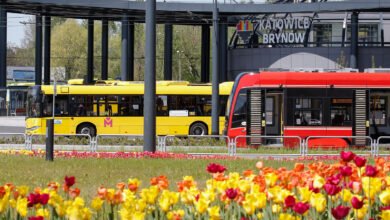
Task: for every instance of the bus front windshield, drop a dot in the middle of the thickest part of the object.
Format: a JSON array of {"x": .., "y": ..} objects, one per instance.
[{"x": 34, "y": 102}]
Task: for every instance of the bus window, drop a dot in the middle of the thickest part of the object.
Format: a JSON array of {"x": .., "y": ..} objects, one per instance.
[
  {"x": 162, "y": 105},
  {"x": 240, "y": 109},
  {"x": 81, "y": 106}
]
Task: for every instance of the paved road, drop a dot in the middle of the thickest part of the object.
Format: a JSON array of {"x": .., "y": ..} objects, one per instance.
[
  {"x": 12, "y": 124},
  {"x": 9, "y": 129}
]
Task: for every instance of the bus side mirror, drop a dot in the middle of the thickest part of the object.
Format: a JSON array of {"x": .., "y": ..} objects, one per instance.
[{"x": 243, "y": 123}]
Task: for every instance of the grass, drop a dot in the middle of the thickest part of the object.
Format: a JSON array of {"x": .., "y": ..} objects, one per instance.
[{"x": 91, "y": 173}]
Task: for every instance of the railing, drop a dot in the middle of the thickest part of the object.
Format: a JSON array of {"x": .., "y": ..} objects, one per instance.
[
  {"x": 273, "y": 149},
  {"x": 214, "y": 144},
  {"x": 217, "y": 144},
  {"x": 74, "y": 146}
]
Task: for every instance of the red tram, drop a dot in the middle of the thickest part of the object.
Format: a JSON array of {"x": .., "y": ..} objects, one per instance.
[{"x": 309, "y": 104}]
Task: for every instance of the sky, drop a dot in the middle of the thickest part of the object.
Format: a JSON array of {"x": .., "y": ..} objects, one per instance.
[{"x": 15, "y": 28}]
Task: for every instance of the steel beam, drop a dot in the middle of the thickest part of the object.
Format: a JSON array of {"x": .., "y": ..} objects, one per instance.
[
  {"x": 223, "y": 51},
  {"x": 205, "y": 54},
  {"x": 168, "y": 52},
  {"x": 89, "y": 79},
  {"x": 354, "y": 39},
  {"x": 150, "y": 78},
  {"x": 46, "y": 51},
  {"x": 127, "y": 57},
  {"x": 215, "y": 78},
  {"x": 104, "y": 49},
  {"x": 3, "y": 47},
  {"x": 38, "y": 50}
]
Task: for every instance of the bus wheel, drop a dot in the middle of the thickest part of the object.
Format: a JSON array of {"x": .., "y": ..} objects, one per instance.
[
  {"x": 198, "y": 129},
  {"x": 86, "y": 128}
]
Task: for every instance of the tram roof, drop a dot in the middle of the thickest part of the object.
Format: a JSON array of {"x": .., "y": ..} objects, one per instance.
[
  {"x": 178, "y": 12},
  {"x": 316, "y": 80}
]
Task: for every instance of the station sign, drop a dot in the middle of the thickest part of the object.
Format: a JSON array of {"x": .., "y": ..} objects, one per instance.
[{"x": 286, "y": 30}]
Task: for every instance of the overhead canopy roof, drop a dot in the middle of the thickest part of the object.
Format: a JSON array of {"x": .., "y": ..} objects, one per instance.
[{"x": 190, "y": 13}]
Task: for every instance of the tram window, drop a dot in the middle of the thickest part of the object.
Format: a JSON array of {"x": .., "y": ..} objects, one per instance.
[
  {"x": 341, "y": 112},
  {"x": 240, "y": 109},
  {"x": 308, "y": 112},
  {"x": 269, "y": 110},
  {"x": 378, "y": 110}
]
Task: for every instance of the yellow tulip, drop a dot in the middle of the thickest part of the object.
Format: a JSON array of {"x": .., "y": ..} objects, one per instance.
[
  {"x": 150, "y": 194},
  {"x": 60, "y": 210},
  {"x": 385, "y": 197},
  {"x": 125, "y": 213},
  {"x": 371, "y": 186},
  {"x": 248, "y": 207},
  {"x": 79, "y": 202},
  {"x": 244, "y": 186},
  {"x": 318, "y": 182},
  {"x": 259, "y": 215},
  {"x": 209, "y": 195},
  {"x": 361, "y": 213},
  {"x": 23, "y": 190},
  {"x": 175, "y": 214},
  {"x": 346, "y": 195},
  {"x": 286, "y": 216},
  {"x": 140, "y": 205},
  {"x": 214, "y": 213},
  {"x": 270, "y": 179},
  {"x": 385, "y": 214},
  {"x": 97, "y": 204},
  {"x": 138, "y": 216},
  {"x": 276, "y": 208},
  {"x": 318, "y": 201},
  {"x": 305, "y": 193},
  {"x": 21, "y": 206},
  {"x": 201, "y": 205},
  {"x": 86, "y": 214},
  {"x": 43, "y": 212}
]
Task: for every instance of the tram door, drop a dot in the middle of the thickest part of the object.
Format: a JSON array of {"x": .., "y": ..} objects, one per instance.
[
  {"x": 273, "y": 114},
  {"x": 265, "y": 115}
]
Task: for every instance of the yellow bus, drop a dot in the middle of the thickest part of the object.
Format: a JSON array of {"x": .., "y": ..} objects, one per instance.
[{"x": 115, "y": 107}]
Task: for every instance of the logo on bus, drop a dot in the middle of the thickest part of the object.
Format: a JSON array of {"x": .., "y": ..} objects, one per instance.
[{"x": 107, "y": 122}]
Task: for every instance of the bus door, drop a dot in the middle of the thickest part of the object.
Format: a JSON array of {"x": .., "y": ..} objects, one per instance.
[{"x": 360, "y": 124}]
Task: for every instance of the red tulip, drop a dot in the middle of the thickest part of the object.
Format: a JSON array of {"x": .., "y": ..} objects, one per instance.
[
  {"x": 289, "y": 201},
  {"x": 347, "y": 156},
  {"x": 36, "y": 218},
  {"x": 356, "y": 203},
  {"x": 215, "y": 168},
  {"x": 301, "y": 208},
  {"x": 70, "y": 181},
  {"x": 360, "y": 161},
  {"x": 384, "y": 208},
  {"x": 332, "y": 189},
  {"x": 370, "y": 171},
  {"x": 231, "y": 193},
  {"x": 346, "y": 171},
  {"x": 33, "y": 199},
  {"x": 44, "y": 198},
  {"x": 335, "y": 179},
  {"x": 340, "y": 212}
]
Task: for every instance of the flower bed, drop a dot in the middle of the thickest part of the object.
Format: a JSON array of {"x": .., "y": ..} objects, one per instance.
[{"x": 347, "y": 189}]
